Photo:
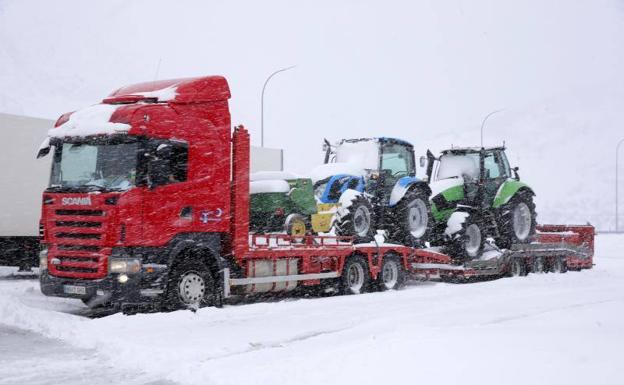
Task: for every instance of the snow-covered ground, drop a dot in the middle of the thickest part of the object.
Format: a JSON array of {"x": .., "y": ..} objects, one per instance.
[{"x": 540, "y": 329}]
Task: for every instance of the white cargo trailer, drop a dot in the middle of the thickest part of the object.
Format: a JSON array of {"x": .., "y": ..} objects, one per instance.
[{"x": 24, "y": 178}]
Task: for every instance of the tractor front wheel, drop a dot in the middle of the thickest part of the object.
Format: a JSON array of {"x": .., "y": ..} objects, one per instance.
[{"x": 357, "y": 220}]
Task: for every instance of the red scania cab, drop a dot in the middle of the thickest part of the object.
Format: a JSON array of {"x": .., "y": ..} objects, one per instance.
[{"x": 137, "y": 181}]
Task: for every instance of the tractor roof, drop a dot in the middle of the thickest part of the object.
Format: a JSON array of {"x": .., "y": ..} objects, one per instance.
[
  {"x": 382, "y": 139},
  {"x": 470, "y": 150}
]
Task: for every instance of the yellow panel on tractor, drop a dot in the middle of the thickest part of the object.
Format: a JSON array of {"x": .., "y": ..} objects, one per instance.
[{"x": 321, "y": 223}]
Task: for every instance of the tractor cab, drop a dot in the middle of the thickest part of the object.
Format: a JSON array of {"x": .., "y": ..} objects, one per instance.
[
  {"x": 483, "y": 171},
  {"x": 371, "y": 165}
]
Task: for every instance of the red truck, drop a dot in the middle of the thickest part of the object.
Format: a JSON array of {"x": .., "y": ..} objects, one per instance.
[{"x": 148, "y": 205}]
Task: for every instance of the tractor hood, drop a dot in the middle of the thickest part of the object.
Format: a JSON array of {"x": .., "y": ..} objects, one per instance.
[{"x": 329, "y": 169}]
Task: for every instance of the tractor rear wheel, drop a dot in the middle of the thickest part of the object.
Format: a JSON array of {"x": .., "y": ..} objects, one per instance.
[
  {"x": 357, "y": 220},
  {"x": 414, "y": 222},
  {"x": 518, "y": 221}
]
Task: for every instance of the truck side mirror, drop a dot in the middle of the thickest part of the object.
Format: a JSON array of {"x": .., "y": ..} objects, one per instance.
[
  {"x": 44, "y": 148},
  {"x": 423, "y": 161}
]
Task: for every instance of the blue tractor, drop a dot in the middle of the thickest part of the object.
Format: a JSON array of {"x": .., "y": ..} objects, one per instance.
[{"x": 370, "y": 184}]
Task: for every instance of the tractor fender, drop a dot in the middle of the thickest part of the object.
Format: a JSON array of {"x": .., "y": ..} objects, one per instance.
[
  {"x": 403, "y": 185},
  {"x": 340, "y": 183},
  {"x": 508, "y": 190}
]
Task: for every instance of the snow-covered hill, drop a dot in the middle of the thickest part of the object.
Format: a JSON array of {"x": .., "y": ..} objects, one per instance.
[{"x": 427, "y": 71}]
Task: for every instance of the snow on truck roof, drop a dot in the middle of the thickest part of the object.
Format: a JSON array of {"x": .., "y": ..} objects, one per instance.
[
  {"x": 187, "y": 90},
  {"x": 101, "y": 119}
]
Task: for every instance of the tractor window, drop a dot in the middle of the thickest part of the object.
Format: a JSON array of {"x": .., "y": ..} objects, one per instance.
[
  {"x": 397, "y": 160},
  {"x": 505, "y": 165},
  {"x": 492, "y": 167}
]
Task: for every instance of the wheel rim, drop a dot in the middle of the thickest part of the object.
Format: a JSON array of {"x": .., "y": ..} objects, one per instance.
[
  {"x": 473, "y": 240},
  {"x": 192, "y": 288},
  {"x": 355, "y": 277},
  {"x": 522, "y": 221},
  {"x": 361, "y": 221},
  {"x": 298, "y": 228},
  {"x": 417, "y": 218},
  {"x": 390, "y": 274}
]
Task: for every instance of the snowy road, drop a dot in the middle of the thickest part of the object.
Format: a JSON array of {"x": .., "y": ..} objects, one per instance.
[{"x": 566, "y": 328}]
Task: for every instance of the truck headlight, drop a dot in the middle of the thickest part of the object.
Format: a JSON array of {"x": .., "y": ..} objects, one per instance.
[
  {"x": 125, "y": 266},
  {"x": 43, "y": 259}
]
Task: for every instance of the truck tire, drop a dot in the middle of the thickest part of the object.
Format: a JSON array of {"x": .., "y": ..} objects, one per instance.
[
  {"x": 355, "y": 276},
  {"x": 518, "y": 221},
  {"x": 392, "y": 274},
  {"x": 413, "y": 221},
  {"x": 190, "y": 286},
  {"x": 358, "y": 221},
  {"x": 517, "y": 268}
]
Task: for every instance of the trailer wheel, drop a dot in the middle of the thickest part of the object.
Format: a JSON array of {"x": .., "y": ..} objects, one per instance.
[
  {"x": 558, "y": 265},
  {"x": 392, "y": 275},
  {"x": 358, "y": 222},
  {"x": 538, "y": 265},
  {"x": 518, "y": 221},
  {"x": 517, "y": 268},
  {"x": 190, "y": 286},
  {"x": 355, "y": 276}
]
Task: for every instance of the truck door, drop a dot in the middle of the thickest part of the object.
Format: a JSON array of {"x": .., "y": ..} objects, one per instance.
[{"x": 167, "y": 197}]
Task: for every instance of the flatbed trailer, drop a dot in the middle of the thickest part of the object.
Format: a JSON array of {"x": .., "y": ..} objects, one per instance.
[{"x": 178, "y": 234}]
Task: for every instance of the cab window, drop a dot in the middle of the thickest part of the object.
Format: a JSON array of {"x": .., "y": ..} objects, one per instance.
[
  {"x": 397, "y": 160},
  {"x": 492, "y": 167}
]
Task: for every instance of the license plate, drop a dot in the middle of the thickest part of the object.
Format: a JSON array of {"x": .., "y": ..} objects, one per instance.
[{"x": 71, "y": 289}]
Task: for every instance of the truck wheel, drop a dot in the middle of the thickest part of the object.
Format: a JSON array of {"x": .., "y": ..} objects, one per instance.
[
  {"x": 355, "y": 276},
  {"x": 517, "y": 224},
  {"x": 558, "y": 265},
  {"x": 414, "y": 222},
  {"x": 190, "y": 286},
  {"x": 392, "y": 274},
  {"x": 517, "y": 268},
  {"x": 538, "y": 265},
  {"x": 358, "y": 221}
]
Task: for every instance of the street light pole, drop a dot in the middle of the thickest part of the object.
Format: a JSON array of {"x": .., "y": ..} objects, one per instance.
[
  {"x": 483, "y": 123},
  {"x": 262, "y": 102},
  {"x": 617, "y": 190}
]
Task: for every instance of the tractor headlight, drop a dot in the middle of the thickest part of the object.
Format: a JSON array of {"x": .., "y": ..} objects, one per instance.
[
  {"x": 124, "y": 266},
  {"x": 43, "y": 259}
]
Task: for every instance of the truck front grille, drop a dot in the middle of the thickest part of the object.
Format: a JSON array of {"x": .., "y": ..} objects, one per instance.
[{"x": 77, "y": 244}]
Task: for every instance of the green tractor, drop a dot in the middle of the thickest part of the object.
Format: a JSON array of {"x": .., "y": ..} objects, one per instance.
[
  {"x": 475, "y": 196},
  {"x": 281, "y": 202}
]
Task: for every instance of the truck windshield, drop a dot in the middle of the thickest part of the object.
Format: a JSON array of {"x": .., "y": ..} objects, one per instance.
[{"x": 94, "y": 166}]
